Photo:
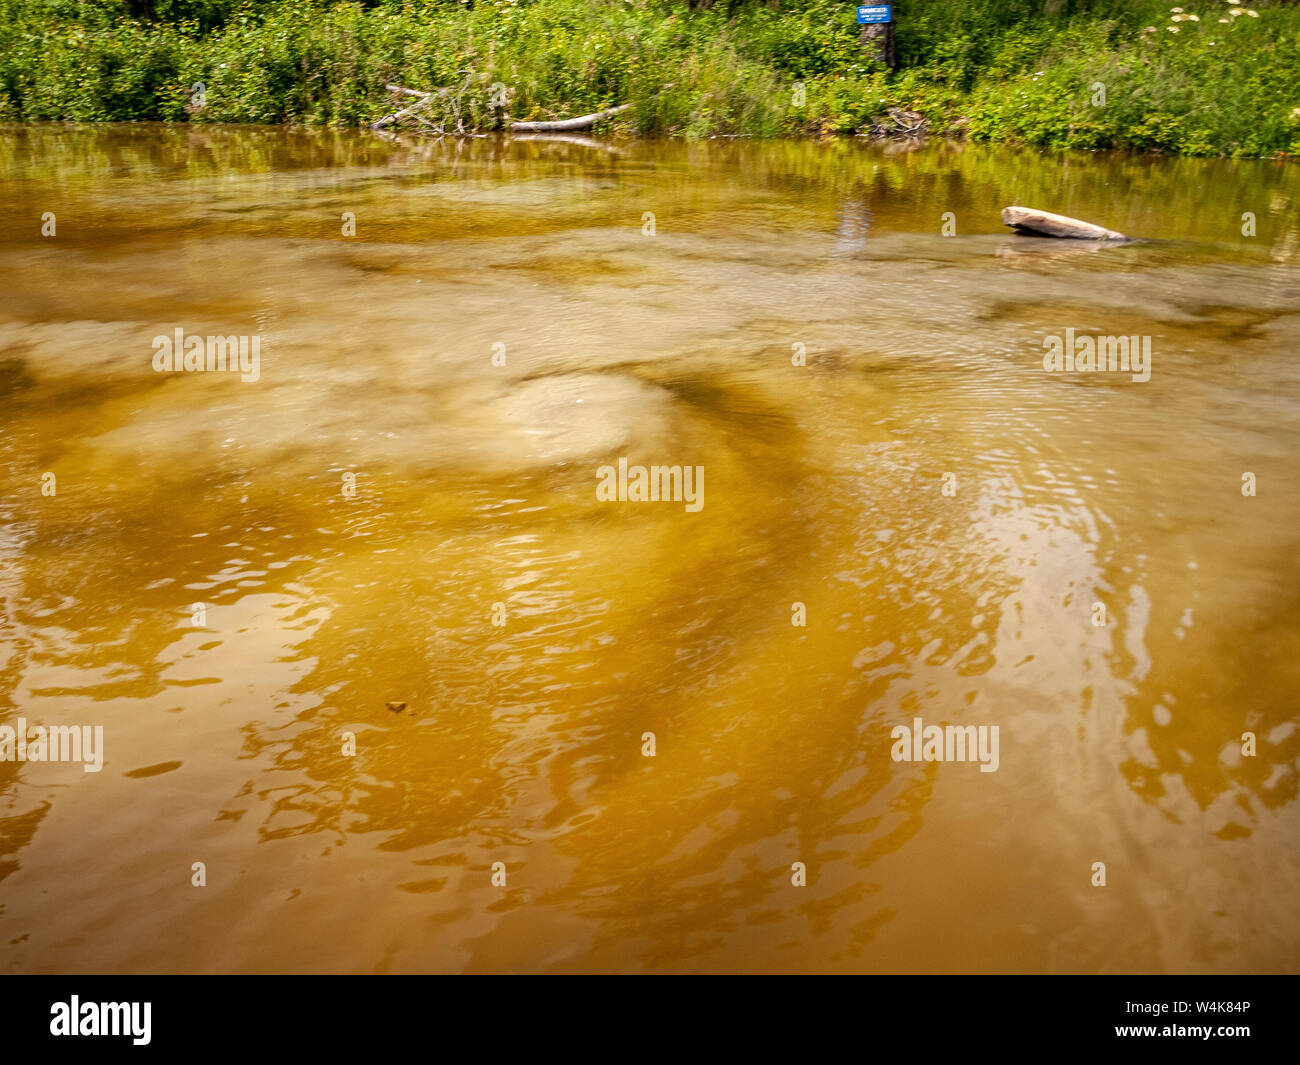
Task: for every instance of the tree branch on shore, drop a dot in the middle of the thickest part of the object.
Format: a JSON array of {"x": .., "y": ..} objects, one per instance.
[
  {"x": 447, "y": 121},
  {"x": 439, "y": 113}
]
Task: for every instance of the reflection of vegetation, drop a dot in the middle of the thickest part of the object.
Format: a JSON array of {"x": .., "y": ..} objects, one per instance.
[
  {"x": 905, "y": 189},
  {"x": 1203, "y": 82}
]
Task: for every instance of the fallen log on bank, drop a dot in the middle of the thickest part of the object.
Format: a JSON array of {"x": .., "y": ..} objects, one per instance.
[
  {"x": 905, "y": 124},
  {"x": 1037, "y": 223},
  {"x": 565, "y": 125},
  {"x": 423, "y": 101},
  {"x": 439, "y": 112}
]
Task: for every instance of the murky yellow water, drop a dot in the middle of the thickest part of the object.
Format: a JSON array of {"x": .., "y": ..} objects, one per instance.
[{"x": 475, "y": 485}]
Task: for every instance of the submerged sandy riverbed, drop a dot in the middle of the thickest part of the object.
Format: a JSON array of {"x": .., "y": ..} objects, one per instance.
[{"x": 403, "y": 508}]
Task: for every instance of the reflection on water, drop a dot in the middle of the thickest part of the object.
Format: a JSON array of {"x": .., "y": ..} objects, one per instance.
[{"x": 226, "y": 730}]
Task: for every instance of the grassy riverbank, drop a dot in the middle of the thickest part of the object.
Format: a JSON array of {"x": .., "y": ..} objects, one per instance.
[{"x": 1208, "y": 79}]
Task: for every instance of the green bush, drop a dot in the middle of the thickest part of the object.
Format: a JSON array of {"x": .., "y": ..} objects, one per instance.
[{"x": 1018, "y": 70}]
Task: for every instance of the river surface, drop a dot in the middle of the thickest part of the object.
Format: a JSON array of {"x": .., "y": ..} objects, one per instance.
[{"x": 902, "y": 515}]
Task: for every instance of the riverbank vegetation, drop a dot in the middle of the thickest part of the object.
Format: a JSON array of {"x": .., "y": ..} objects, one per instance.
[{"x": 1200, "y": 79}]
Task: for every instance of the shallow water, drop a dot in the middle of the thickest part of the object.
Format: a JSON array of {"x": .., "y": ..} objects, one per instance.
[{"x": 475, "y": 501}]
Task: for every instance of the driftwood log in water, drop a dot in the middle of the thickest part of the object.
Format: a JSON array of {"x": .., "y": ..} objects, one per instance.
[
  {"x": 1045, "y": 224},
  {"x": 566, "y": 124}
]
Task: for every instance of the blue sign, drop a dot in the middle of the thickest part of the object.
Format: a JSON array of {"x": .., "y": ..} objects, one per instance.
[{"x": 875, "y": 13}]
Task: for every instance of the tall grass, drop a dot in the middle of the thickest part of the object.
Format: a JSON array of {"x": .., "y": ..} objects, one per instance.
[{"x": 997, "y": 69}]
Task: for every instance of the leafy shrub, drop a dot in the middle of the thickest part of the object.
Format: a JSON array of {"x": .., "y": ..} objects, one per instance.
[{"x": 1021, "y": 70}]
